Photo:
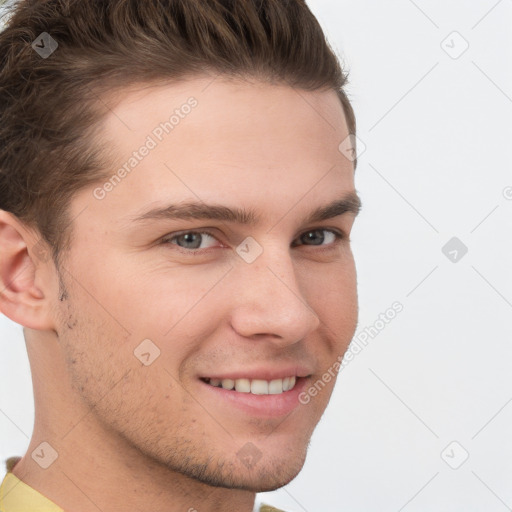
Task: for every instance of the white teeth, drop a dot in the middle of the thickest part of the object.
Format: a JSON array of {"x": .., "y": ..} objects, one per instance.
[
  {"x": 256, "y": 386},
  {"x": 243, "y": 385},
  {"x": 275, "y": 387},
  {"x": 228, "y": 383},
  {"x": 259, "y": 387}
]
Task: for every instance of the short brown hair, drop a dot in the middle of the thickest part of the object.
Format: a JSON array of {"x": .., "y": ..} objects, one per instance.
[{"x": 50, "y": 108}]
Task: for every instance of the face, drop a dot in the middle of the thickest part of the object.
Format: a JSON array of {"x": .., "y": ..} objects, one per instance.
[{"x": 212, "y": 262}]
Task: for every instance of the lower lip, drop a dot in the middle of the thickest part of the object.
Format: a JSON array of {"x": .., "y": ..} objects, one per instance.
[{"x": 269, "y": 406}]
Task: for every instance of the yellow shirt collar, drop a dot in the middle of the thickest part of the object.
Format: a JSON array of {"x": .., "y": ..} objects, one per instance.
[{"x": 17, "y": 496}]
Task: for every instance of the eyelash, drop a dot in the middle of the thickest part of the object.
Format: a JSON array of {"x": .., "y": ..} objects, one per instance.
[{"x": 339, "y": 236}]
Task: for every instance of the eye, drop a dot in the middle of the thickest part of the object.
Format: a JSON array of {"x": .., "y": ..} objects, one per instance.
[
  {"x": 194, "y": 241},
  {"x": 317, "y": 237},
  {"x": 191, "y": 240}
]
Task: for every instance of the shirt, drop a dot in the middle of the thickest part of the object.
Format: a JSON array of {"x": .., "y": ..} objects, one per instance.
[{"x": 17, "y": 496}]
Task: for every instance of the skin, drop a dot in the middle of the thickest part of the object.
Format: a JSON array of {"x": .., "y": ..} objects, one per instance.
[{"x": 136, "y": 437}]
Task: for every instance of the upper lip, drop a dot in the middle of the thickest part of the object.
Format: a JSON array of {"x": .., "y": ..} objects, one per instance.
[{"x": 266, "y": 373}]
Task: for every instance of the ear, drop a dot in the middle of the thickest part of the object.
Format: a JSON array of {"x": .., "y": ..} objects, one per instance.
[{"x": 24, "y": 275}]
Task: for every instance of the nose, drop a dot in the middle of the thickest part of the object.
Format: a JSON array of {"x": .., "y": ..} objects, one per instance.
[{"x": 268, "y": 303}]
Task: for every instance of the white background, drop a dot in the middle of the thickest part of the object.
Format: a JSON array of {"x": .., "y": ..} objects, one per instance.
[{"x": 437, "y": 131}]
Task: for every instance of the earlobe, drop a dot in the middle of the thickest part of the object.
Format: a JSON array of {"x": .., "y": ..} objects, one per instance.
[{"x": 21, "y": 298}]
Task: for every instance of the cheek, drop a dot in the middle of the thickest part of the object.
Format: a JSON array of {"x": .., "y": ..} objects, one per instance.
[
  {"x": 105, "y": 370},
  {"x": 151, "y": 297},
  {"x": 180, "y": 312},
  {"x": 331, "y": 290}
]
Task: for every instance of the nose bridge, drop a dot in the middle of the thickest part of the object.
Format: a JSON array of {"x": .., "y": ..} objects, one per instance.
[{"x": 269, "y": 299}]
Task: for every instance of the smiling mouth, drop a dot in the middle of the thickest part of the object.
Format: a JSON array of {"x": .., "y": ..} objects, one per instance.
[{"x": 255, "y": 386}]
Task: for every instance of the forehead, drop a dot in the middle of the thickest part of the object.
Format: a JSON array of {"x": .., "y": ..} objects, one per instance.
[
  {"x": 238, "y": 96},
  {"x": 225, "y": 114},
  {"x": 225, "y": 141}
]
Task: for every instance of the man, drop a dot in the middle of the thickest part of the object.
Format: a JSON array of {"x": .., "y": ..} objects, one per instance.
[{"x": 177, "y": 195}]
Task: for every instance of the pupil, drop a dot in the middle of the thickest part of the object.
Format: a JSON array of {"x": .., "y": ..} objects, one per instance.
[
  {"x": 189, "y": 239},
  {"x": 311, "y": 236}
]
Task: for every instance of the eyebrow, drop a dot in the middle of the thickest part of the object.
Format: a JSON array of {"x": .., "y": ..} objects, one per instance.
[{"x": 349, "y": 203}]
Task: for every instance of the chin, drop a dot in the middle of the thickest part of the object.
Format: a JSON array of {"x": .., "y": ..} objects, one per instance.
[
  {"x": 254, "y": 483},
  {"x": 266, "y": 475},
  {"x": 271, "y": 484}
]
